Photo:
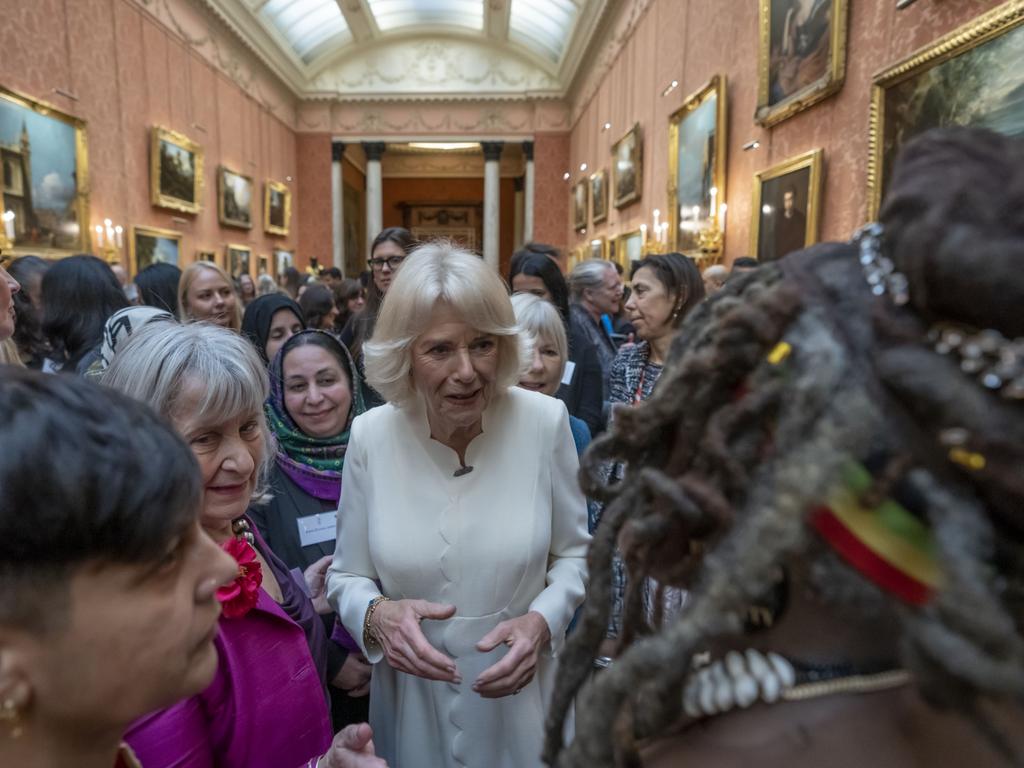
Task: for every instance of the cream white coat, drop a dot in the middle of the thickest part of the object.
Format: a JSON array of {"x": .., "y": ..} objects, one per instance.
[{"x": 507, "y": 538}]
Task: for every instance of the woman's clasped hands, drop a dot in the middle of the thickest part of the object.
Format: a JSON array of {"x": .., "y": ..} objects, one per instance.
[{"x": 395, "y": 625}]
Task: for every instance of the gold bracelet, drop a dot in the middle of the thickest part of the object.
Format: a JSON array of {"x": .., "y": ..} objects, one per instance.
[{"x": 369, "y": 641}]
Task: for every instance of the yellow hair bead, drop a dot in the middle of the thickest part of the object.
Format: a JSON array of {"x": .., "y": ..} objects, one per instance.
[
  {"x": 779, "y": 353},
  {"x": 967, "y": 458}
]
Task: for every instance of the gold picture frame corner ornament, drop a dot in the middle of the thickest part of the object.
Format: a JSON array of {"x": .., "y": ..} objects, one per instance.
[
  {"x": 978, "y": 31},
  {"x": 270, "y": 186},
  {"x": 828, "y": 84},
  {"x": 158, "y": 198},
  {"x": 815, "y": 161}
]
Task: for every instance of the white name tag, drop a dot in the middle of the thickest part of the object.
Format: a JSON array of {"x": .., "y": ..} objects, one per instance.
[
  {"x": 570, "y": 369},
  {"x": 316, "y": 529}
]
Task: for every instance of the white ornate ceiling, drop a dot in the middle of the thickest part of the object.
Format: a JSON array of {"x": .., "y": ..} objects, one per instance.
[{"x": 418, "y": 49}]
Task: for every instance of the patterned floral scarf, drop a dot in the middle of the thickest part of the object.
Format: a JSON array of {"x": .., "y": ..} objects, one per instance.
[{"x": 313, "y": 463}]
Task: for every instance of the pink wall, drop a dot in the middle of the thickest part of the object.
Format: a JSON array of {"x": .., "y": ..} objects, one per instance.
[
  {"x": 550, "y": 191},
  {"x": 691, "y": 40},
  {"x": 130, "y": 71},
  {"x": 313, "y": 153}
]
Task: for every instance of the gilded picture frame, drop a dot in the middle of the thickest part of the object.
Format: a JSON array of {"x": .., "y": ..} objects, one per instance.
[
  {"x": 283, "y": 258},
  {"x": 786, "y": 203},
  {"x": 262, "y": 265},
  {"x": 207, "y": 256},
  {"x": 175, "y": 171},
  {"x": 44, "y": 150},
  {"x": 598, "y": 197},
  {"x": 597, "y": 248},
  {"x": 628, "y": 167},
  {"x": 234, "y": 198},
  {"x": 277, "y": 208},
  {"x": 697, "y": 156},
  {"x": 907, "y": 98},
  {"x": 800, "y": 62},
  {"x": 237, "y": 259},
  {"x": 152, "y": 245},
  {"x": 629, "y": 247},
  {"x": 579, "y": 205}
]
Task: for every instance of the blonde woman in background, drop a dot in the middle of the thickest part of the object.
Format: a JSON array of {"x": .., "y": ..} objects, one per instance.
[{"x": 206, "y": 293}]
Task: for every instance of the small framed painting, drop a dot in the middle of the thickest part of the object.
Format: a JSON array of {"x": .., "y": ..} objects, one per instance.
[
  {"x": 786, "y": 203},
  {"x": 206, "y": 256},
  {"x": 175, "y": 171},
  {"x": 627, "y": 160},
  {"x": 283, "y": 259},
  {"x": 579, "y": 205},
  {"x": 239, "y": 260},
  {"x": 598, "y": 248},
  {"x": 629, "y": 247},
  {"x": 277, "y": 208},
  {"x": 150, "y": 245},
  {"x": 234, "y": 198},
  {"x": 598, "y": 197},
  {"x": 263, "y": 265}
]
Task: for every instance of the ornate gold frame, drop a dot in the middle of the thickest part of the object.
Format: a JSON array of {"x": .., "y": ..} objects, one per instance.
[
  {"x": 157, "y": 134},
  {"x": 602, "y": 174},
  {"x": 262, "y": 265},
  {"x": 813, "y": 160},
  {"x": 638, "y": 192},
  {"x": 170, "y": 234},
  {"x": 45, "y": 109},
  {"x": 210, "y": 256},
  {"x": 221, "y": 217},
  {"x": 715, "y": 87},
  {"x": 984, "y": 28},
  {"x": 276, "y": 186},
  {"x": 603, "y": 246},
  {"x": 620, "y": 247},
  {"x": 820, "y": 89},
  {"x": 577, "y": 224},
  {"x": 227, "y": 256}
]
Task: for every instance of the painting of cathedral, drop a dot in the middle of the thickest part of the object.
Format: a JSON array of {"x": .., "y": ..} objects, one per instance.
[{"x": 42, "y": 152}]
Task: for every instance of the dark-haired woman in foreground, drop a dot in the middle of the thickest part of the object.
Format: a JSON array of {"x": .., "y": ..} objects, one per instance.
[{"x": 832, "y": 465}]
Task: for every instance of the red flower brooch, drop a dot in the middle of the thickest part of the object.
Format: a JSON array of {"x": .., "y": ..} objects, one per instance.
[{"x": 240, "y": 596}]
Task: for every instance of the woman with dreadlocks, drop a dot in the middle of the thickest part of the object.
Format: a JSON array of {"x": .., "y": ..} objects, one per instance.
[{"x": 833, "y": 465}]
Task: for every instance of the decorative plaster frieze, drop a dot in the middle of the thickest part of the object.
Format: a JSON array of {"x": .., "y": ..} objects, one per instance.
[{"x": 436, "y": 68}]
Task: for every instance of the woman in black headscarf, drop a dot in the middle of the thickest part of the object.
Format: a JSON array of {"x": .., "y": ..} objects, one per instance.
[{"x": 270, "y": 321}]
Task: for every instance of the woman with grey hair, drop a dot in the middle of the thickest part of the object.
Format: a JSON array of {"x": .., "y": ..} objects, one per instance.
[
  {"x": 596, "y": 290},
  {"x": 266, "y": 707},
  {"x": 483, "y": 540}
]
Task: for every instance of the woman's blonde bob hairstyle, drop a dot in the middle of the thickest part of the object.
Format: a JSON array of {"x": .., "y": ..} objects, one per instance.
[
  {"x": 434, "y": 274},
  {"x": 189, "y": 276},
  {"x": 540, "y": 320},
  {"x": 159, "y": 360}
]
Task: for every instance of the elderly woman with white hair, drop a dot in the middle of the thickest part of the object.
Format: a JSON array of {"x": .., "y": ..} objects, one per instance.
[{"x": 461, "y": 530}]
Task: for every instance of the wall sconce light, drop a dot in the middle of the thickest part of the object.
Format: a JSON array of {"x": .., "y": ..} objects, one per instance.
[
  {"x": 755, "y": 144},
  {"x": 9, "y": 232},
  {"x": 583, "y": 166},
  {"x": 566, "y": 176},
  {"x": 109, "y": 240},
  {"x": 606, "y": 127},
  {"x": 670, "y": 87}
]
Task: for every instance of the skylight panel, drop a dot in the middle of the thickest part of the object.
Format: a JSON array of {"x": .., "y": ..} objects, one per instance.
[
  {"x": 307, "y": 24},
  {"x": 395, "y": 14},
  {"x": 543, "y": 26}
]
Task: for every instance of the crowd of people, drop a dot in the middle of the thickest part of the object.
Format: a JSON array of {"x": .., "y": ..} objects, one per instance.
[{"x": 441, "y": 517}]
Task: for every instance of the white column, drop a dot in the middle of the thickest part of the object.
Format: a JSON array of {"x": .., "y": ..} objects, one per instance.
[
  {"x": 492, "y": 201},
  {"x": 337, "y": 207},
  {"x": 374, "y": 192},
  {"x": 517, "y": 221},
  {"x": 528, "y": 193}
]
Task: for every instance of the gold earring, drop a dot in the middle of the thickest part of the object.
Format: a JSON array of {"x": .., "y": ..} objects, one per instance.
[{"x": 10, "y": 714}]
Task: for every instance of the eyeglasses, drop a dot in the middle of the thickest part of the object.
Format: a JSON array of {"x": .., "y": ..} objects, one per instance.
[{"x": 378, "y": 264}]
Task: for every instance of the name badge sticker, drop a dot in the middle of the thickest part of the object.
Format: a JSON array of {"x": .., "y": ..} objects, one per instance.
[
  {"x": 316, "y": 529},
  {"x": 570, "y": 369}
]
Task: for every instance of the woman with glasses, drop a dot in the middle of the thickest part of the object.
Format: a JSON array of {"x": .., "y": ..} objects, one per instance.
[{"x": 389, "y": 249}]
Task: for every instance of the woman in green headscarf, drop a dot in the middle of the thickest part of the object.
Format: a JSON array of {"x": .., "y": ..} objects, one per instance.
[{"x": 314, "y": 396}]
